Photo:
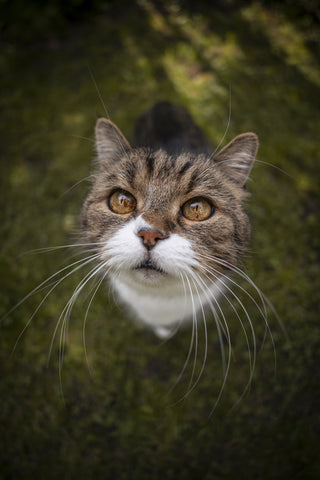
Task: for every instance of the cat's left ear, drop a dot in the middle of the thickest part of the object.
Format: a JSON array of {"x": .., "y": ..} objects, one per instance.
[
  {"x": 110, "y": 142},
  {"x": 238, "y": 156}
]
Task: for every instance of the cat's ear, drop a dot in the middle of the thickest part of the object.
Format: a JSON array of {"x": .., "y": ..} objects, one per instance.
[
  {"x": 238, "y": 156},
  {"x": 110, "y": 142}
]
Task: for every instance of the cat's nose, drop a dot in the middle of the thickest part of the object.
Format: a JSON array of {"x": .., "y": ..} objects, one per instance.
[{"x": 150, "y": 237}]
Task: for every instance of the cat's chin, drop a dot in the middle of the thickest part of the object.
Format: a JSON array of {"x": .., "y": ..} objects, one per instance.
[
  {"x": 150, "y": 276},
  {"x": 149, "y": 272}
]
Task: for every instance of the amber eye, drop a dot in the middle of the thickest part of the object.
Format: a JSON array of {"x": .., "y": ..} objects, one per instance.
[
  {"x": 197, "y": 209},
  {"x": 121, "y": 202}
]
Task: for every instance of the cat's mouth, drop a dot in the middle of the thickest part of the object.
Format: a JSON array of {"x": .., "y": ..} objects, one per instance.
[{"x": 149, "y": 264}]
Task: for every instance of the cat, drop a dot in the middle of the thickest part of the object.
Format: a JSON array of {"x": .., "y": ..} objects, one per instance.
[{"x": 165, "y": 216}]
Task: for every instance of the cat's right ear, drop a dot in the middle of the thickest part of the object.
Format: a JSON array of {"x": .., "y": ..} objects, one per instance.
[
  {"x": 238, "y": 156},
  {"x": 110, "y": 142}
]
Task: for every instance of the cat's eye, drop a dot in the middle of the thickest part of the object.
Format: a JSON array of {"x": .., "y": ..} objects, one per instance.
[
  {"x": 197, "y": 209},
  {"x": 121, "y": 202}
]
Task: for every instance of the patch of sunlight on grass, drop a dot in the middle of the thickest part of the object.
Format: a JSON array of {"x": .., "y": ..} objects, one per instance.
[
  {"x": 157, "y": 20},
  {"x": 198, "y": 86},
  {"x": 196, "y": 63},
  {"x": 216, "y": 51},
  {"x": 285, "y": 39},
  {"x": 190, "y": 80}
]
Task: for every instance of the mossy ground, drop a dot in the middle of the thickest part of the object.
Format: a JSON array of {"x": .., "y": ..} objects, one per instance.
[{"x": 122, "y": 422}]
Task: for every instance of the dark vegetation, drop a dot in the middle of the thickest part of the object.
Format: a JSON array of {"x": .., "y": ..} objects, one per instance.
[{"x": 122, "y": 422}]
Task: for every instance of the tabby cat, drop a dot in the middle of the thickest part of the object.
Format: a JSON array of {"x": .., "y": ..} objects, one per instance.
[{"x": 165, "y": 216}]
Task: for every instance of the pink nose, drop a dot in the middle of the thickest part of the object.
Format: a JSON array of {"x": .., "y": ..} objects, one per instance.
[{"x": 150, "y": 237}]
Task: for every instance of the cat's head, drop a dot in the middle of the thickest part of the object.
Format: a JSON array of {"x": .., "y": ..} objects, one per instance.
[{"x": 154, "y": 217}]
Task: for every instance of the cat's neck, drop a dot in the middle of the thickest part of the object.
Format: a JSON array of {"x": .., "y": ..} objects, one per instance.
[{"x": 164, "y": 305}]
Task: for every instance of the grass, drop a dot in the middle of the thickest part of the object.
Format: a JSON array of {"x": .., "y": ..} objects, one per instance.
[{"x": 122, "y": 422}]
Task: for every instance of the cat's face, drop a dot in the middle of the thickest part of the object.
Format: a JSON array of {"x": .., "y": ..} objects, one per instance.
[{"x": 155, "y": 217}]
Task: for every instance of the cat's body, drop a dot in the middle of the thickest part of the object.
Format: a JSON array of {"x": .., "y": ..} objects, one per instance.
[{"x": 166, "y": 217}]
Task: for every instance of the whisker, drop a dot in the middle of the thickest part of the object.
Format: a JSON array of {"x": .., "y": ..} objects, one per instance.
[
  {"x": 242, "y": 274},
  {"x": 195, "y": 322},
  {"x": 227, "y": 333},
  {"x": 190, "y": 345},
  {"x": 228, "y": 363},
  {"x": 38, "y": 288},
  {"x": 252, "y": 360},
  {"x": 55, "y": 284},
  {"x": 265, "y": 305},
  {"x": 215, "y": 274},
  {"x": 125, "y": 153},
  {"x": 262, "y": 297},
  {"x": 220, "y": 328},
  {"x": 75, "y": 185},
  {"x": 60, "y": 247},
  {"x": 268, "y": 164},
  {"x": 85, "y": 322},
  {"x": 257, "y": 161},
  {"x": 65, "y": 314},
  {"x": 98, "y": 92},
  {"x": 83, "y": 138},
  {"x": 227, "y": 127},
  {"x": 69, "y": 305},
  {"x": 192, "y": 387}
]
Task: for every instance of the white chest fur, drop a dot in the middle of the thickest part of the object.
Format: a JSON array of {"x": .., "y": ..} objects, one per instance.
[{"x": 165, "y": 306}]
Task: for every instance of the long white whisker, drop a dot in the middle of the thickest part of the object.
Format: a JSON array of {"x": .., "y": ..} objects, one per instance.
[
  {"x": 227, "y": 127},
  {"x": 98, "y": 92},
  {"x": 75, "y": 185},
  {"x": 264, "y": 301},
  {"x": 273, "y": 166},
  {"x": 219, "y": 326},
  {"x": 228, "y": 364},
  {"x": 261, "y": 296},
  {"x": 68, "y": 307},
  {"x": 252, "y": 360},
  {"x": 85, "y": 321},
  {"x": 195, "y": 323},
  {"x": 243, "y": 275},
  {"x": 191, "y": 342},
  {"x": 105, "y": 109},
  {"x": 59, "y": 247},
  {"x": 87, "y": 260},
  {"x": 81, "y": 137},
  {"x": 66, "y": 316},
  {"x": 215, "y": 274},
  {"x": 62, "y": 314},
  {"x": 192, "y": 387},
  {"x": 42, "y": 284}
]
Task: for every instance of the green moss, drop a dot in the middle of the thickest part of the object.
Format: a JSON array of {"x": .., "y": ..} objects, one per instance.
[{"x": 113, "y": 414}]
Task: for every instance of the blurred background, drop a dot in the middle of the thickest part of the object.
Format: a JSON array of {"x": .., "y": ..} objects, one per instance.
[{"x": 112, "y": 414}]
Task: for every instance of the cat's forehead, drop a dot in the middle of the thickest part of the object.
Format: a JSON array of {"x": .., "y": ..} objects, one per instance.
[{"x": 171, "y": 174}]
